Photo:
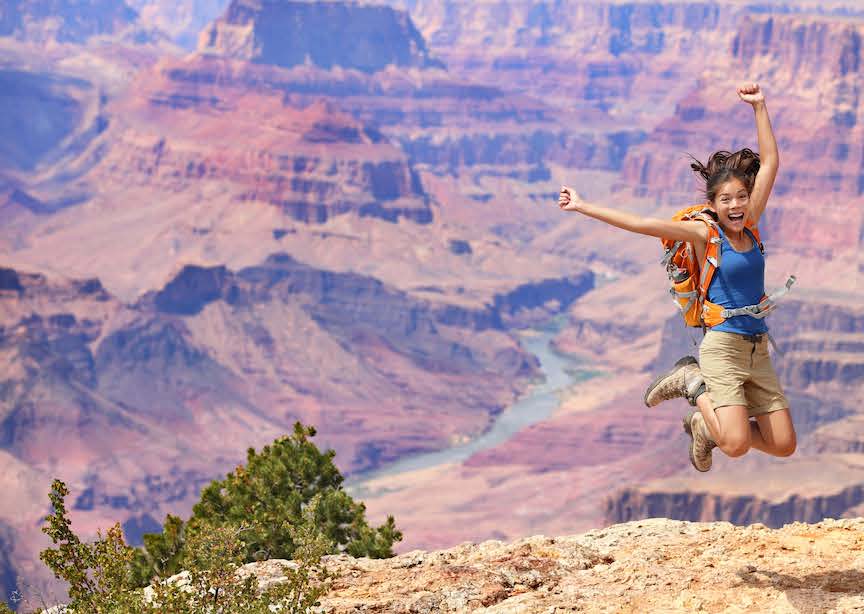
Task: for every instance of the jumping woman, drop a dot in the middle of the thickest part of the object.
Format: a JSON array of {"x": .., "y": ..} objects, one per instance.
[{"x": 733, "y": 380}]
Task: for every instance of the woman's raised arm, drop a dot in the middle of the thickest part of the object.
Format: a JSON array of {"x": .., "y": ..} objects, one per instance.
[
  {"x": 568, "y": 200},
  {"x": 769, "y": 156}
]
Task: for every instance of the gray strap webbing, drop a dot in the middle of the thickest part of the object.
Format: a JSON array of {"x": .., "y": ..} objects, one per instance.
[
  {"x": 670, "y": 252},
  {"x": 774, "y": 345},
  {"x": 676, "y": 295},
  {"x": 764, "y": 307}
]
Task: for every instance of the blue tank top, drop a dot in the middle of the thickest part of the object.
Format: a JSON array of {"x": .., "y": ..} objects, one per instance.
[{"x": 740, "y": 281}]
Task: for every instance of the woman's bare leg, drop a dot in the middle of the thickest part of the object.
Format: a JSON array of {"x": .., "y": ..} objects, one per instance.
[
  {"x": 774, "y": 433},
  {"x": 729, "y": 426}
]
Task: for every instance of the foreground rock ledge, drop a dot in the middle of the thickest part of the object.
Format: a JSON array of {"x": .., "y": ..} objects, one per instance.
[{"x": 653, "y": 565}]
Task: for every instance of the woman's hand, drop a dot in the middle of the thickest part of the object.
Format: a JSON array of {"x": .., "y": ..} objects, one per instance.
[
  {"x": 751, "y": 93},
  {"x": 569, "y": 200}
]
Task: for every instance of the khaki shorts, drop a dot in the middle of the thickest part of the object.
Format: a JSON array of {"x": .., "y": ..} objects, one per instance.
[{"x": 739, "y": 372}]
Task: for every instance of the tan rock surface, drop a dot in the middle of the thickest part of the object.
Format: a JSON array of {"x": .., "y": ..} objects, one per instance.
[{"x": 653, "y": 565}]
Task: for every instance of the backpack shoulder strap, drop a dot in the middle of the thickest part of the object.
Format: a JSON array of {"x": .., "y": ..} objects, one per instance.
[
  {"x": 754, "y": 233},
  {"x": 710, "y": 260}
]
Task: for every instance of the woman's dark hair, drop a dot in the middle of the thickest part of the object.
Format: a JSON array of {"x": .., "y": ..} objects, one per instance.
[{"x": 723, "y": 165}]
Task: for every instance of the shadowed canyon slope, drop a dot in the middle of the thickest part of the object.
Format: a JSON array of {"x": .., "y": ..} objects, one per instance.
[{"x": 200, "y": 250}]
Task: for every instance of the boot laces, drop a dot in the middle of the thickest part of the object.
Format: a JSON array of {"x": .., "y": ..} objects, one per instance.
[{"x": 704, "y": 443}]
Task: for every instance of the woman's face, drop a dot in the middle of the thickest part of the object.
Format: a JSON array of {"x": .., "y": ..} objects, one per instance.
[{"x": 732, "y": 205}]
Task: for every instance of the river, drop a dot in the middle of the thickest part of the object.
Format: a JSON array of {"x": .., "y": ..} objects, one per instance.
[{"x": 538, "y": 403}]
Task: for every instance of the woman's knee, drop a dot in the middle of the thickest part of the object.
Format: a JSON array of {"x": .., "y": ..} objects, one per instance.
[
  {"x": 736, "y": 448},
  {"x": 734, "y": 429},
  {"x": 735, "y": 444},
  {"x": 786, "y": 447}
]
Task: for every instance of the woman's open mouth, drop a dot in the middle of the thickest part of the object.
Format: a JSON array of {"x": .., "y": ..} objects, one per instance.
[{"x": 736, "y": 217}]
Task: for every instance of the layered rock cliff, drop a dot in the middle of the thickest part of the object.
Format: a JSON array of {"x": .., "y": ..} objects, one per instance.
[
  {"x": 807, "y": 63},
  {"x": 774, "y": 494},
  {"x": 839, "y": 437},
  {"x": 580, "y": 54},
  {"x": 312, "y": 162},
  {"x": 326, "y": 34}
]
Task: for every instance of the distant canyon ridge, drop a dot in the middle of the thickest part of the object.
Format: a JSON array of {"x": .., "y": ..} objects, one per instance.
[{"x": 219, "y": 218}]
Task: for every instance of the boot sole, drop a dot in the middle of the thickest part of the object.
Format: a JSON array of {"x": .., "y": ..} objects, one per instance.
[
  {"x": 687, "y": 360},
  {"x": 689, "y": 430}
]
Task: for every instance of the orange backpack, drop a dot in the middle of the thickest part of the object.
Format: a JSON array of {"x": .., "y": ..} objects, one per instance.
[{"x": 690, "y": 277}]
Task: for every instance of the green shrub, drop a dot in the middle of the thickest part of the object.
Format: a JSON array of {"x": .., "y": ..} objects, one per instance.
[
  {"x": 287, "y": 502},
  {"x": 101, "y": 581},
  {"x": 268, "y": 497},
  {"x": 98, "y": 573}
]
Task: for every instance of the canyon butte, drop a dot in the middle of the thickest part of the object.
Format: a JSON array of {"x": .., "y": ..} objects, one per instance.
[{"x": 213, "y": 230}]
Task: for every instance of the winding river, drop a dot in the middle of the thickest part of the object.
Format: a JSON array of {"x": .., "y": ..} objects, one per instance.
[{"x": 535, "y": 406}]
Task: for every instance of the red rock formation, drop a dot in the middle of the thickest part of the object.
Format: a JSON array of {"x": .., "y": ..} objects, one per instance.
[
  {"x": 195, "y": 121},
  {"x": 810, "y": 70},
  {"x": 823, "y": 48},
  {"x": 771, "y": 496},
  {"x": 580, "y": 54},
  {"x": 287, "y": 34}
]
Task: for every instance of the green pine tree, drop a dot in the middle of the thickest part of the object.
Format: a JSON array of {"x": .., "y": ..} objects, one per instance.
[{"x": 268, "y": 496}]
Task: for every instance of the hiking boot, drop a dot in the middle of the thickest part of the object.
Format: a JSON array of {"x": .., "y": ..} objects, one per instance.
[
  {"x": 682, "y": 380},
  {"x": 701, "y": 443}
]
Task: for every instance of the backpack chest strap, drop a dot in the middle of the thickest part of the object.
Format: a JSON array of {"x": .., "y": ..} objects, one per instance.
[{"x": 763, "y": 307}]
